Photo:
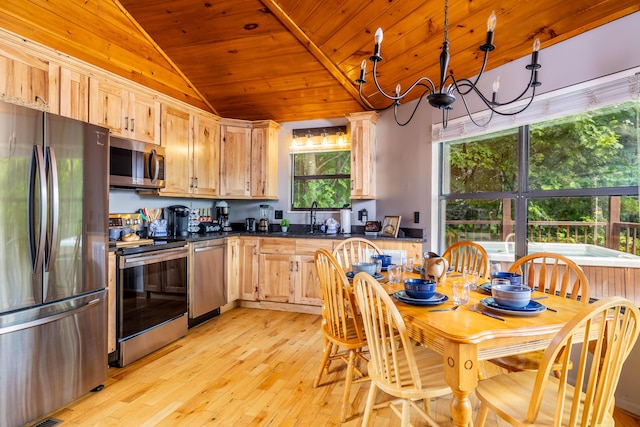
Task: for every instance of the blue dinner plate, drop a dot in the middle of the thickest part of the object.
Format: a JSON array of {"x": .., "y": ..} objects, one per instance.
[
  {"x": 533, "y": 308},
  {"x": 376, "y": 276},
  {"x": 486, "y": 287},
  {"x": 436, "y": 299}
]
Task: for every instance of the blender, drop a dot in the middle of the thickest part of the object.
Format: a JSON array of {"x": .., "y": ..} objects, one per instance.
[
  {"x": 265, "y": 218},
  {"x": 222, "y": 213}
]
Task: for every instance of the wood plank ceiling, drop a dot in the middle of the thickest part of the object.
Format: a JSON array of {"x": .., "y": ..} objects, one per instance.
[{"x": 290, "y": 60}]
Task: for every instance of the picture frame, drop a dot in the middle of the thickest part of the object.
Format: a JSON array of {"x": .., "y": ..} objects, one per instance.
[{"x": 390, "y": 226}]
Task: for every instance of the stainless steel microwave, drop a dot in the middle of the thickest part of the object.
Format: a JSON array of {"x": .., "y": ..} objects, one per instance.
[{"x": 136, "y": 164}]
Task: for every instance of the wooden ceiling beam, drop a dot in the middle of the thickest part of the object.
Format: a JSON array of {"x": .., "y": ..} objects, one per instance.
[
  {"x": 164, "y": 55},
  {"x": 282, "y": 16}
]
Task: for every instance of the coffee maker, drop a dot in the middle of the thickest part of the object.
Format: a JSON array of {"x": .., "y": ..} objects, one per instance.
[
  {"x": 177, "y": 220},
  {"x": 222, "y": 215}
]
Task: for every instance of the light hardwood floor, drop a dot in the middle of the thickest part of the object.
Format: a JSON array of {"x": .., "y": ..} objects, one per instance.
[{"x": 247, "y": 367}]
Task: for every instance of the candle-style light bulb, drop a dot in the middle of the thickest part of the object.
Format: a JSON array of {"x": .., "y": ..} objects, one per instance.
[
  {"x": 378, "y": 36},
  {"x": 398, "y": 89},
  {"x": 491, "y": 22},
  {"x": 363, "y": 71},
  {"x": 378, "y": 39},
  {"x": 491, "y": 25},
  {"x": 496, "y": 86},
  {"x": 534, "y": 54}
]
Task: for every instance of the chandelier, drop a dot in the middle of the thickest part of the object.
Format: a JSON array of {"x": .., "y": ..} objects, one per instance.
[{"x": 444, "y": 95}]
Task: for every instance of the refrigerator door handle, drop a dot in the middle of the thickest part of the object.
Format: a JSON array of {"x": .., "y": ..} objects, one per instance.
[
  {"x": 52, "y": 226},
  {"x": 49, "y": 319},
  {"x": 36, "y": 243}
]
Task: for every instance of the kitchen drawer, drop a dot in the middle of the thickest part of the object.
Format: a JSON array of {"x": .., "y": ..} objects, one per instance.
[
  {"x": 275, "y": 245},
  {"x": 310, "y": 246}
]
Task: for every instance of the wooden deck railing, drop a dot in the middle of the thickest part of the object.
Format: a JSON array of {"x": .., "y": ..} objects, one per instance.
[{"x": 622, "y": 236}]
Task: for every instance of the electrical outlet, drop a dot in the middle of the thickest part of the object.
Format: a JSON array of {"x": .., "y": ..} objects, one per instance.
[
  {"x": 277, "y": 214},
  {"x": 416, "y": 217}
]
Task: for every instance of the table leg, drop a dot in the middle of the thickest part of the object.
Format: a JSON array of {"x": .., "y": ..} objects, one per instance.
[{"x": 461, "y": 373}]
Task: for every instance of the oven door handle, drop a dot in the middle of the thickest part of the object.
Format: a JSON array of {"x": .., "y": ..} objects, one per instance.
[{"x": 129, "y": 261}]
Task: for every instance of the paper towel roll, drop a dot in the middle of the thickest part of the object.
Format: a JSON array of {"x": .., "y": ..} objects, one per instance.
[{"x": 345, "y": 221}]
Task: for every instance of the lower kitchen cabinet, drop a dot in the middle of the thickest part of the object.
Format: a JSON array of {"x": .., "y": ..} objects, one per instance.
[
  {"x": 233, "y": 268},
  {"x": 282, "y": 269},
  {"x": 207, "y": 282},
  {"x": 248, "y": 260},
  {"x": 307, "y": 287},
  {"x": 287, "y": 271},
  {"x": 277, "y": 276}
]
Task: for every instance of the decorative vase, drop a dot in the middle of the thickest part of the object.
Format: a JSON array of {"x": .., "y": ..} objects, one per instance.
[{"x": 284, "y": 228}]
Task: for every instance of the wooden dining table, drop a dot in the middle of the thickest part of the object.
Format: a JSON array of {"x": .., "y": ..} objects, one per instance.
[{"x": 465, "y": 337}]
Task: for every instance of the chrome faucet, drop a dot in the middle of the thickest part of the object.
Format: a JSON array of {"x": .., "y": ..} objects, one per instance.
[{"x": 312, "y": 219}]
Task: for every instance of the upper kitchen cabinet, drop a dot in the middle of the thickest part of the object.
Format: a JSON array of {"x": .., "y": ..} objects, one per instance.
[
  {"x": 127, "y": 113},
  {"x": 205, "y": 159},
  {"x": 24, "y": 79},
  {"x": 264, "y": 159},
  {"x": 178, "y": 145},
  {"x": 192, "y": 152},
  {"x": 69, "y": 92},
  {"x": 235, "y": 158},
  {"x": 363, "y": 141}
]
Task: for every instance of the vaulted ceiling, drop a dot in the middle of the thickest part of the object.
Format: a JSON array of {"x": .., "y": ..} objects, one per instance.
[{"x": 290, "y": 60}]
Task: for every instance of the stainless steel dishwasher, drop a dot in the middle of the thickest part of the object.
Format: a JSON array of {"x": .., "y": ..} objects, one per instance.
[{"x": 208, "y": 287}]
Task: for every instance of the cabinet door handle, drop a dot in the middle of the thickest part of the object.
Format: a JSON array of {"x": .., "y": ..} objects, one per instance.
[
  {"x": 191, "y": 182},
  {"x": 297, "y": 266},
  {"x": 351, "y": 184},
  {"x": 126, "y": 123},
  {"x": 196, "y": 180},
  {"x": 248, "y": 186},
  {"x": 290, "y": 266},
  {"x": 133, "y": 125}
]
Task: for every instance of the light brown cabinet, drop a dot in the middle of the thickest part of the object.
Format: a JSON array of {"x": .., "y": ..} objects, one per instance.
[
  {"x": 233, "y": 269},
  {"x": 192, "y": 147},
  {"x": 205, "y": 156},
  {"x": 68, "y": 93},
  {"x": 249, "y": 159},
  {"x": 235, "y": 159},
  {"x": 248, "y": 268},
  {"x": 264, "y": 159},
  {"x": 287, "y": 270},
  {"x": 176, "y": 140},
  {"x": 363, "y": 141},
  {"x": 126, "y": 113},
  {"x": 24, "y": 79}
]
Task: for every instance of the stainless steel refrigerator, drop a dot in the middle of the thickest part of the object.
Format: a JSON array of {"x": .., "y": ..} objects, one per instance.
[{"x": 53, "y": 261}]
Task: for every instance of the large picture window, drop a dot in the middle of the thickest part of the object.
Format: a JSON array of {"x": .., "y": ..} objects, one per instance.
[
  {"x": 567, "y": 185},
  {"x": 323, "y": 177}
]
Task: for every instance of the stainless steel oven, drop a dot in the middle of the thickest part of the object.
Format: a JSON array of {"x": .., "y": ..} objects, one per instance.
[{"x": 151, "y": 298}]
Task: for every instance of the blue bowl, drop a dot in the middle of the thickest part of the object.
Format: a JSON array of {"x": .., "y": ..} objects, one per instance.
[
  {"x": 386, "y": 259},
  {"x": 420, "y": 288},
  {"x": 514, "y": 278}
]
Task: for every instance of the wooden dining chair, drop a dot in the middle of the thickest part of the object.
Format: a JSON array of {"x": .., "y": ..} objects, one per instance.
[
  {"x": 535, "y": 398},
  {"x": 550, "y": 273},
  {"x": 354, "y": 249},
  {"x": 467, "y": 255},
  {"x": 397, "y": 367},
  {"x": 342, "y": 328}
]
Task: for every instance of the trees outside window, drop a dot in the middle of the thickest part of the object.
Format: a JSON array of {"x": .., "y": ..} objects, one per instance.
[
  {"x": 323, "y": 177},
  {"x": 571, "y": 180}
]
